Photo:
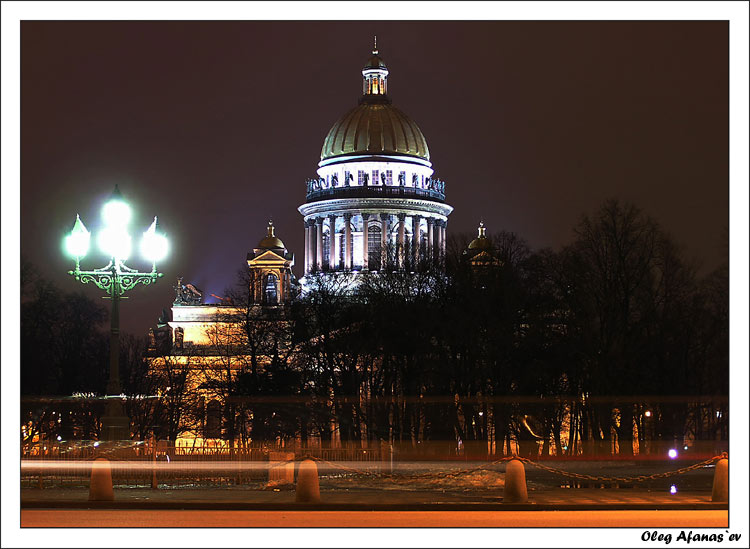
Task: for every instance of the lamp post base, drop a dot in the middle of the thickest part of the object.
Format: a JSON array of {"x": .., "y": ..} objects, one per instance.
[{"x": 115, "y": 423}]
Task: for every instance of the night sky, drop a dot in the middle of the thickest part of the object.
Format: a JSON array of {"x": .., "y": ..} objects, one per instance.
[{"x": 214, "y": 127}]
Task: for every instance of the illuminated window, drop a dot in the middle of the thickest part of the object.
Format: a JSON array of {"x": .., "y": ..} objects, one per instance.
[
  {"x": 389, "y": 177},
  {"x": 373, "y": 247},
  {"x": 375, "y": 177},
  {"x": 270, "y": 292},
  {"x": 361, "y": 178}
]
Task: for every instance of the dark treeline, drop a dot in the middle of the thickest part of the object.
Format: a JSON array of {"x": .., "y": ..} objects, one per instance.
[
  {"x": 541, "y": 344},
  {"x": 612, "y": 343}
]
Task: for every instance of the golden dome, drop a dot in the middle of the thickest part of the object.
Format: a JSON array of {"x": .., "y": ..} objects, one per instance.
[
  {"x": 375, "y": 127},
  {"x": 271, "y": 241}
]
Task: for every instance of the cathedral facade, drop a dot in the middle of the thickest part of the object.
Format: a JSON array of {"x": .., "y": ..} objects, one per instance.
[{"x": 375, "y": 203}]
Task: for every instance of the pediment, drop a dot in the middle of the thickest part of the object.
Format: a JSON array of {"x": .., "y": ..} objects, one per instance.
[{"x": 268, "y": 256}]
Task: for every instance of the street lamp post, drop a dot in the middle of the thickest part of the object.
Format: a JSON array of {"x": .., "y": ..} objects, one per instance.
[{"x": 115, "y": 279}]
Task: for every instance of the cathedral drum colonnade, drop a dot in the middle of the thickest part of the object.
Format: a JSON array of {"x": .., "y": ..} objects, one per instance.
[{"x": 375, "y": 203}]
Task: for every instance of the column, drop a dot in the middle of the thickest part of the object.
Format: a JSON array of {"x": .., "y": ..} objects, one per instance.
[
  {"x": 347, "y": 241},
  {"x": 384, "y": 228},
  {"x": 436, "y": 243},
  {"x": 415, "y": 241},
  {"x": 307, "y": 247},
  {"x": 311, "y": 266},
  {"x": 430, "y": 238},
  {"x": 443, "y": 227},
  {"x": 365, "y": 244},
  {"x": 333, "y": 258},
  {"x": 319, "y": 244},
  {"x": 401, "y": 239}
]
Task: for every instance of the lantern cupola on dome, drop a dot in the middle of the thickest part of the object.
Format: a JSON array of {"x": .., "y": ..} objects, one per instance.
[
  {"x": 375, "y": 74},
  {"x": 481, "y": 242}
]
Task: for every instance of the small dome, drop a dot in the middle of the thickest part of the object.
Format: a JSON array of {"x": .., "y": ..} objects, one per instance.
[
  {"x": 270, "y": 241},
  {"x": 375, "y": 62},
  {"x": 375, "y": 127}
]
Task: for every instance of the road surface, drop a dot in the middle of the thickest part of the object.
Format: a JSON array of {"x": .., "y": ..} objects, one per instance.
[{"x": 370, "y": 519}]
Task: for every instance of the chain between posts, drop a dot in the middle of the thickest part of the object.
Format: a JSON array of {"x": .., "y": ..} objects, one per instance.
[
  {"x": 639, "y": 478},
  {"x": 579, "y": 476}
]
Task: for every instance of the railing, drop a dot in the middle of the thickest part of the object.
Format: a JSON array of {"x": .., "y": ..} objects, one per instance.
[
  {"x": 374, "y": 192},
  {"x": 141, "y": 464},
  {"x": 60, "y": 464}
]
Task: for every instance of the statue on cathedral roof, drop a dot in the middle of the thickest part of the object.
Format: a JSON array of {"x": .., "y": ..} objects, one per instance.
[{"x": 187, "y": 294}]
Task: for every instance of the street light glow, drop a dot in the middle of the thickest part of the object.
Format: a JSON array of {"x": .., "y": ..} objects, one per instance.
[
  {"x": 114, "y": 242},
  {"x": 116, "y": 213},
  {"x": 154, "y": 246},
  {"x": 672, "y": 453},
  {"x": 77, "y": 242},
  {"x": 116, "y": 278}
]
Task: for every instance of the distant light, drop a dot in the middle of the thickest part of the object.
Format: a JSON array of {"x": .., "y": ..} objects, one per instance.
[
  {"x": 718, "y": 414},
  {"x": 168, "y": 460},
  {"x": 673, "y": 489},
  {"x": 96, "y": 444},
  {"x": 648, "y": 413},
  {"x": 59, "y": 437},
  {"x": 672, "y": 453},
  {"x": 77, "y": 242},
  {"x": 684, "y": 447},
  {"x": 481, "y": 413},
  {"x": 565, "y": 447}
]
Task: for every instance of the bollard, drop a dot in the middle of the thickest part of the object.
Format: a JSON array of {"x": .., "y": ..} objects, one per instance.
[
  {"x": 515, "y": 483},
  {"x": 308, "y": 489},
  {"x": 720, "y": 491},
  {"x": 100, "y": 488}
]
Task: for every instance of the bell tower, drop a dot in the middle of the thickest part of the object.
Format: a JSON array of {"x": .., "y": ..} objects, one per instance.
[{"x": 270, "y": 267}]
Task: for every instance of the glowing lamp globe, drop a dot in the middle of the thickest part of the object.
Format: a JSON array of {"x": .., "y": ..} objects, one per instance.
[
  {"x": 672, "y": 454},
  {"x": 77, "y": 242},
  {"x": 154, "y": 246},
  {"x": 116, "y": 213},
  {"x": 114, "y": 242}
]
